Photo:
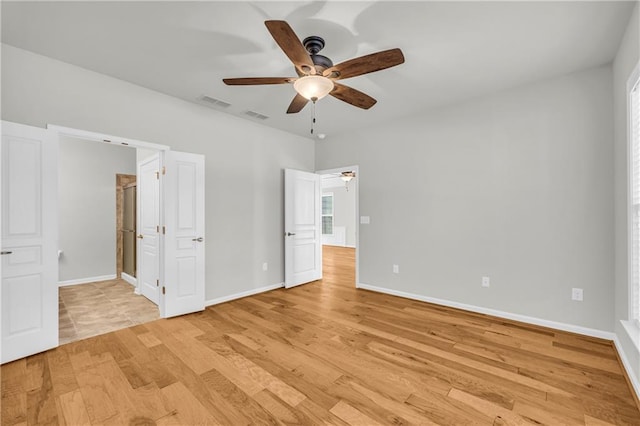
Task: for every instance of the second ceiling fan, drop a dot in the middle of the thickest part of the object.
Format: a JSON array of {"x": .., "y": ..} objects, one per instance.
[{"x": 317, "y": 76}]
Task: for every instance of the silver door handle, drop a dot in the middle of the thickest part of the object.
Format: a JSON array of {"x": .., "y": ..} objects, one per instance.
[
  {"x": 199, "y": 239},
  {"x": 289, "y": 234},
  {"x": 5, "y": 252}
]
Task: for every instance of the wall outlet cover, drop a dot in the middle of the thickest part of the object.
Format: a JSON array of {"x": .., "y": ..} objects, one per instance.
[
  {"x": 486, "y": 281},
  {"x": 577, "y": 294}
]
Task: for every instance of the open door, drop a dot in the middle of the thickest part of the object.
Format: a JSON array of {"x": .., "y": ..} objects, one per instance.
[
  {"x": 148, "y": 228},
  {"x": 183, "y": 196},
  {"x": 302, "y": 226},
  {"x": 29, "y": 289}
]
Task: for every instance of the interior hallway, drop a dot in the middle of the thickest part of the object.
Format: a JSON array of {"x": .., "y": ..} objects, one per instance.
[
  {"x": 87, "y": 310},
  {"x": 339, "y": 266}
]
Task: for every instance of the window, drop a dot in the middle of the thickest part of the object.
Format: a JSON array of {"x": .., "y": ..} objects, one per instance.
[
  {"x": 327, "y": 214},
  {"x": 634, "y": 142}
]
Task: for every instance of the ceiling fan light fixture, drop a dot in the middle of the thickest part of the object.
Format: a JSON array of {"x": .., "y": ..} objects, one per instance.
[
  {"x": 313, "y": 87},
  {"x": 347, "y": 176}
]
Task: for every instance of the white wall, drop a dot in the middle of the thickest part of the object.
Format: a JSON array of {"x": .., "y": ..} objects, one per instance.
[
  {"x": 344, "y": 210},
  {"x": 243, "y": 160},
  {"x": 516, "y": 186},
  {"x": 87, "y": 206},
  {"x": 625, "y": 61}
]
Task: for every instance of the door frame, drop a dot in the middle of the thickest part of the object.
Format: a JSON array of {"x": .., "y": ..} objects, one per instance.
[
  {"x": 133, "y": 143},
  {"x": 356, "y": 187},
  {"x": 103, "y": 137}
]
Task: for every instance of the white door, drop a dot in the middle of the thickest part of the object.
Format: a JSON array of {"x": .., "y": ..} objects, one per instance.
[
  {"x": 302, "y": 228},
  {"x": 29, "y": 290},
  {"x": 148, "y": 228},
  {"x": 183, "y": 195}
]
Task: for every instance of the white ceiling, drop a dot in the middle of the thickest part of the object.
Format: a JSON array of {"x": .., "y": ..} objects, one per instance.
[{"x": 453, "y": 50}]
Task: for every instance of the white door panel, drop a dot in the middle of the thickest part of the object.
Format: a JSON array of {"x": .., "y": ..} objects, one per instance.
[
  {"x": 303, "y": 249},
  {"x": 29, "y": 293},
  {"x": 183, "y": 189},
  {"x": 148, "y": 236}
]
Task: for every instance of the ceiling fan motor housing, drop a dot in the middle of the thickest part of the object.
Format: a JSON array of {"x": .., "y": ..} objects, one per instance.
[
  {"x": 321, "y": 63},
  {"x": 313, "y": 45}
]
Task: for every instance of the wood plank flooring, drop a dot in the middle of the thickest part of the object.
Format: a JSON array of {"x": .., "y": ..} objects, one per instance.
[
  {"x": 87, "y": 310},
  {"x": 323, "y": 353}
]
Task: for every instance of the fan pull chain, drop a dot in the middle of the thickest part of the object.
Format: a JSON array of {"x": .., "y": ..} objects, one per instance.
[{"x": 313, "y": 116}]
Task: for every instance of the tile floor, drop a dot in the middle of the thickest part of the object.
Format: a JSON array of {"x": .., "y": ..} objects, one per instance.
[{"x": 87, "y": 310}]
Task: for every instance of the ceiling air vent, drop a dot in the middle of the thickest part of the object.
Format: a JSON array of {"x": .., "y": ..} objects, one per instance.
[
  {"x": 257, "y": 115},
  {"x": 214, "y": 102}
]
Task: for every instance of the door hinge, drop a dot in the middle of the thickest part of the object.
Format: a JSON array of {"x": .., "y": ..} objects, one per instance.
[
  {"x": 164, "y": 230},
  {"x": 157, "y": 175},
  {"x": 164, "y": 170},
  {"x": 163, "y": 292},
  {"x": 158, "y": 229},
  {"x": 157, "y": 283}
]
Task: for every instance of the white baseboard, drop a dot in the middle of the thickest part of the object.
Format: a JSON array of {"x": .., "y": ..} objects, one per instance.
[
  {"x": 251, "y": 292},
  {"x": 87, "y": 280},
  {"x": 128, "y": 278},
  {"x": 627, "y": 366},
  {"x": 493, "y": 312}
]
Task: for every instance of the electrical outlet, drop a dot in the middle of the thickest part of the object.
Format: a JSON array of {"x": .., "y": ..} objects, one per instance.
[
  {"x": 265, "y": 266},
  {"x": 365, "y": 220},
  {"x": 396, "y": 269},
  {"x": 486, "y": 281},
  {"x": 576, "y": 294}
]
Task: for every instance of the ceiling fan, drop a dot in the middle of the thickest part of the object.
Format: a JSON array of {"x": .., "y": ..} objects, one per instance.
[{"x": 317, "y": 76}]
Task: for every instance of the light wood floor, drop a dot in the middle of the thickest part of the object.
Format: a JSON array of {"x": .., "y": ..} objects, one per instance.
[
  {"x": 323, "y": 353},
  {"x": 87, "y": 310}
]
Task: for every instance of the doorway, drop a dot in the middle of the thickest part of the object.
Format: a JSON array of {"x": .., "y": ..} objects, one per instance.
[
  {"x": 340, "y": 205},
  {"x": 29, "y": 291},
  {"x": 126, "y": 192},
  {"x": 97, "y": 246}
]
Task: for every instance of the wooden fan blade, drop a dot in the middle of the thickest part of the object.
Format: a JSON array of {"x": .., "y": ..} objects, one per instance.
[
  {"x": 366, "y": 64},
  {"x": 352, "y": 96},
  {"x": 249, "y": 81},
  {"x": 297, "y": 104},
  {"x": 291, "y": 46}
]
